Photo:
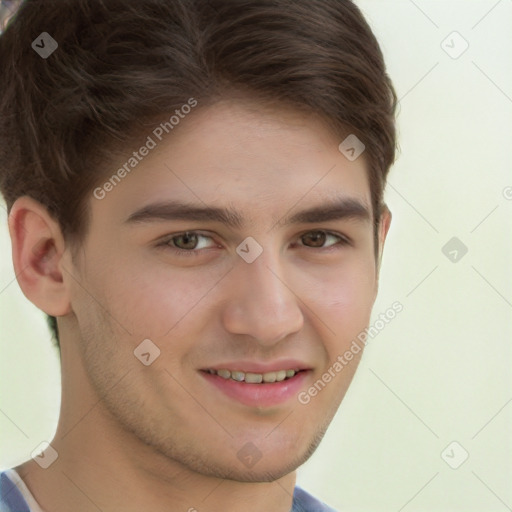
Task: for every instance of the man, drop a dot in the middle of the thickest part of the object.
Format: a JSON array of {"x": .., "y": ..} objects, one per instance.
[{"x": 195, "y": 201}]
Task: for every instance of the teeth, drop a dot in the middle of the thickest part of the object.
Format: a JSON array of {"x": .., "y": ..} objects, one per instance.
[
  {"x": 255, "y": 378},
  {"x": 239, "y": 376},
  {"x": 280, "y": 375},
  {"x": 269, "y": 377}
]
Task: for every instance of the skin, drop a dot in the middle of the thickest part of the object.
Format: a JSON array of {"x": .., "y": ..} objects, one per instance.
[{"x": 160, "y": 435}]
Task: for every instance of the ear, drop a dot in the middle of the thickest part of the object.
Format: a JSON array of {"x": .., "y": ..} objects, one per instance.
[
  {"x": 384, "y": 224},
  {"x": 38, "y": 251}
]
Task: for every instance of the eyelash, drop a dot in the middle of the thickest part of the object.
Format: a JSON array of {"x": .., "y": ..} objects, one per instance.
[{"x": 343, "y": 242}]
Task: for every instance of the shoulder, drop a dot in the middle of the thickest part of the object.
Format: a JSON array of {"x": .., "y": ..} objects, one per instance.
[
  {"x": 305, "y": 502},
  {"x": 10, "y": 497},
  {"x": 12, "y": 492}
]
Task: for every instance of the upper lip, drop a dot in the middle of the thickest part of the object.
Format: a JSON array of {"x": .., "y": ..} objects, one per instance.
[{"x": 256, "y": 367}]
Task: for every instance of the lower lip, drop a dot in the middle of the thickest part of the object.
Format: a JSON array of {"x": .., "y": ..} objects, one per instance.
[{"x": 259, "y": 395}]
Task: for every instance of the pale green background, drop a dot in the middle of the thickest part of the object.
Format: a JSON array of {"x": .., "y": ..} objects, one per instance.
[{"x": 440, "y": 371}]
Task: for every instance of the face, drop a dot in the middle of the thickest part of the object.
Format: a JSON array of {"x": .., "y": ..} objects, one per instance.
[{"x": 280, "y": 284}]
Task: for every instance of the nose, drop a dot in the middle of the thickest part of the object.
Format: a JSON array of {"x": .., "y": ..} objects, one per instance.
[{"x": 261, "y": 303}]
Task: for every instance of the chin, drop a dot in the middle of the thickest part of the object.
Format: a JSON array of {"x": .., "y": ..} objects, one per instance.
[
  {"x": 262, "y": 471},
  {"x": 270, "y": 469}
]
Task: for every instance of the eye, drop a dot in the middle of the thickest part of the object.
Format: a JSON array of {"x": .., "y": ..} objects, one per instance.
[
  {"x": 186, "y": 243},
  {"x": 318, "y": 239}
]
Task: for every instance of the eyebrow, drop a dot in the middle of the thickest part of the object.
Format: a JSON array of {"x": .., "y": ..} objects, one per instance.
[{"x": 338, "y": 209}]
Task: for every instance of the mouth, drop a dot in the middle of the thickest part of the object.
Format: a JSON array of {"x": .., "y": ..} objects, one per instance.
[
  {"x": 268, "y": 389},
  {"x": 255, "y": 378}
]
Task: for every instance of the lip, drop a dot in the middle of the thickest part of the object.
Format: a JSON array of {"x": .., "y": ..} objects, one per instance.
[
  {"x": 258, "y": 395},
  {"x": 254, "y": 367}
]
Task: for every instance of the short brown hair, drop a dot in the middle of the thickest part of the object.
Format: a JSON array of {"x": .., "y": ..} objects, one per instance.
[{"x": 121, "y": 64}]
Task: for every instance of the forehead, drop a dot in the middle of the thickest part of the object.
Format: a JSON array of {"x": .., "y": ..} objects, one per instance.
[{"x": 257, "y": 159}]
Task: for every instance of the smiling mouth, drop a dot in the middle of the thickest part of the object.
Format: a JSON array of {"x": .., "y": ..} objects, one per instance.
[{"x": 255, "y": 378}]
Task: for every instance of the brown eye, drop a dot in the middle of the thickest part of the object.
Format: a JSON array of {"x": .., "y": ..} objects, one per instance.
[
  {"x": 316, "y": 238},
  {"x": 189, "y": 243},
  {"x": 185, "y": 241}
]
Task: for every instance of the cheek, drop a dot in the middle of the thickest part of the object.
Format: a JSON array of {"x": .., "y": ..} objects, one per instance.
[
  {"x": 151, "y": 301},
  {"x": 342, "y": 301},
  {"x": 350, "y": 279},
  {"x": 355, "y": 292}
]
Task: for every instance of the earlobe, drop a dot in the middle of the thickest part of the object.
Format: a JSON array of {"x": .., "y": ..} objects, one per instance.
[{"x": 38, "y": 250}]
